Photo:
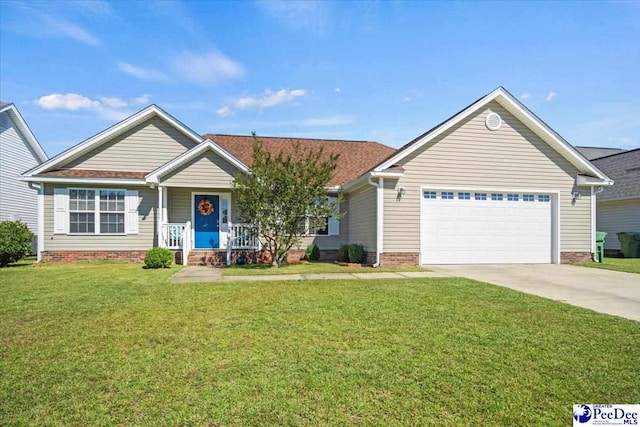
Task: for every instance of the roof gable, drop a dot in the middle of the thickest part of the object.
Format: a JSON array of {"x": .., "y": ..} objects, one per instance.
[
  {"x": 108, "y": 134},
  {"x": 28, "y": 136},
  {"x": 518, "y": 110},
  {"x": 356, "y": 157}
]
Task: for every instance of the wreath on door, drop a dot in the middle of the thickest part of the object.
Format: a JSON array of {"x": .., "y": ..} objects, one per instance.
[{"x": 205, "y": 207}]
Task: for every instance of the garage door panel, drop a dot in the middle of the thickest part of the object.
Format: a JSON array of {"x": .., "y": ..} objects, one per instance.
[{"x": 462, "y": 230}]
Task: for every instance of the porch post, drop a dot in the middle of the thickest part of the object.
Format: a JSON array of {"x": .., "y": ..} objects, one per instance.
[
  {"x": 159, "y": 216},
  {"x": 165, "y": 213}
]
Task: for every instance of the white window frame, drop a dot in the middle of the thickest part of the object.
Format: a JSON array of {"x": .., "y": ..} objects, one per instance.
[
  {"x": 307, "y": 225},
  {"x": 96, "y": 211}
]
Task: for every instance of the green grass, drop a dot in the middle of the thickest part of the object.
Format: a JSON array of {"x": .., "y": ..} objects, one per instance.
[
  {"x": 113, "y": 344},
  {"x": 629, "y": 265},
  {"x": 308, "y": 268}
]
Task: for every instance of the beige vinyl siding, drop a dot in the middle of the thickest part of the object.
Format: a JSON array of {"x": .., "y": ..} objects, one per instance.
[
  {"x": 615, "y": 217},
  {"x": 470, "y": 155},
  {"x": 208, "y": 168},
  {"x": 180, "y": 200},
  {"x": 145, "y": 239},
  {"x": 17, "y": 199},
  {"x": 361, "y": 210},
  {"x": 142, "y": 148}
]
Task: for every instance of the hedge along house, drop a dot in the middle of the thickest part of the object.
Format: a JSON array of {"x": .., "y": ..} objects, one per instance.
[{"x": 492, "y": 184}]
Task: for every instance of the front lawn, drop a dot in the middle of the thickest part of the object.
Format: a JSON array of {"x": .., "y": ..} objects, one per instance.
[
  {"x": 113, "y": 344},
  {"x": 308, "y": 268},
  {"x": 629, "y": 265}
]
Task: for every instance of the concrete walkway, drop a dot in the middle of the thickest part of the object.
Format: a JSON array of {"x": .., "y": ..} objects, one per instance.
[
  {"x": 604, "y": 291},
  {"x": 193, "y": 274}
]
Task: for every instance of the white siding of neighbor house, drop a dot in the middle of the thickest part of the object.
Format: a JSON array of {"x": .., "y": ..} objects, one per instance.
[
  {"x": 145, "y": 239},
  {"x": 142, "y": 148},
  {"x": 361, "y": 209},
  {"x": 17, "y": 200},
  {"x": 615, "y": 217},
  {"x": 470, "y": 155},
  {"x": 207, "y": 169}
]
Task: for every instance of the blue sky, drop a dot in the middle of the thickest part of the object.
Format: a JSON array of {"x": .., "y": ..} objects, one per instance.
[{"x": 384, "y": 71}]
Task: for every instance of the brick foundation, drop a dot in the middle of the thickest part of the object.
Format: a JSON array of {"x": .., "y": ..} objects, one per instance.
[
  {"x": 218, "y": 258},
  {"x": 393, "y": 259},
  {"x": 569, "y": 257},
  {"x": 73, "y": 256}
]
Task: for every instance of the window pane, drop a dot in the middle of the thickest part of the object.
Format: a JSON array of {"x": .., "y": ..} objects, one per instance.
[
  {"x": 481, "y": 196},
  {"x": 111, "y": 223},
  {"x": 81, "y": 222}
]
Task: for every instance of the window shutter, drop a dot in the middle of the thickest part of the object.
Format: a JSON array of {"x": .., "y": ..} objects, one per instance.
[
  {"x": 132, "y": 201},
  {"x": 334, "y": 224},
  {"x": 60, "y": 211}
]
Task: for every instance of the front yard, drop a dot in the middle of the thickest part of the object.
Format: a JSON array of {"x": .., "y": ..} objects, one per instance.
[
  {"x": 629, "y": 265},
  {"x": 113, "y": 344},
  {"x": 308, "y": 268}
]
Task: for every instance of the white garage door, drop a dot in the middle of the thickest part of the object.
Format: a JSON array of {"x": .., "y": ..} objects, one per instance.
[{"x": 483, "y": 227}]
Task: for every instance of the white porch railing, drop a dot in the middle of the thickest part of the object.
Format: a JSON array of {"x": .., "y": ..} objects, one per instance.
[
  {"x": 241, "y": 236},
  {"x": 177, "y": 236}
]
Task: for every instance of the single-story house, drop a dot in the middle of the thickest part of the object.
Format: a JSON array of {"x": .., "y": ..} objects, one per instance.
[
  {"x": 618, "y": 207},
  {"x": 19, "y": 151},
  {"x": 491, "y": 184}
]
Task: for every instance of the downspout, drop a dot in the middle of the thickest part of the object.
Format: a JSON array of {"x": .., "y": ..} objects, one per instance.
[
  {"x": 594, "y": 192},
  {"x": 379, "y": 216},
  {"x": 40, "y": 238}
]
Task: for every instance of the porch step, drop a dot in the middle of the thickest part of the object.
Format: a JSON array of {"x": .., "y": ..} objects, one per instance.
[{"x": 207, "y": 257}]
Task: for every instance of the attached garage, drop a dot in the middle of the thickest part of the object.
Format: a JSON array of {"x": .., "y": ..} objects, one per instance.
[{"x": 487, "y": 226}]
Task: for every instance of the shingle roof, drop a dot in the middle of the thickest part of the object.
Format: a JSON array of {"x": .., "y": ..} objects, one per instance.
[
  {"x": 592, "y": 153},
  {"x": 624, "y": 169},
  {"x": 86, "y": 173},
  {"x": 356, "y": 157}
]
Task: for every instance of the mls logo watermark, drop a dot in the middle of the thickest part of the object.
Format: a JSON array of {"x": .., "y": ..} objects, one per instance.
[{"x": 605, "y": 415}]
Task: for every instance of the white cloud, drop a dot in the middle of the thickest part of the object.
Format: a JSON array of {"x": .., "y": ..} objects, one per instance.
[
  {"x": 208, "y": 67},
  {"x": 270, "y": 99},
  {"x": 224, "y": 111},
  {"x": 141, "y": 100},
  {"x": 113, "y": 102},
  {"x": 69, "y": 101},
  {"x": 525, "y": 96},
  {"x": 337, "y": 90},
  {"x": 551, "y": 95},
  {"x": 297, "y": 15},
  {"x": 140, "y": 72},
  {"x": 94, "y": 7},
  {"x": 60, "y": 27},
  {"x": 406, "y": 99}
]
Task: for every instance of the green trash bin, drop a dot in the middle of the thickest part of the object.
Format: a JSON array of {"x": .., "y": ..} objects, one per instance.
[
  {"x": 600, "y": 237},
  {"x": 630, "y": 244}
]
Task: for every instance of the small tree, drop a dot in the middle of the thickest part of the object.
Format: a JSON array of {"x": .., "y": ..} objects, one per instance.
[
  {"x": 15, "y": 242},
  {"x": 283, "y": 193}
]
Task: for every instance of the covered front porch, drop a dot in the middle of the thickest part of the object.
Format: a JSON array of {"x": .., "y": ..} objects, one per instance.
[{"x": 204, "y": 220}]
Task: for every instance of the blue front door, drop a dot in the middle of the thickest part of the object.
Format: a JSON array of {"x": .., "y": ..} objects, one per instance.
[{"x": 205, "y": 221}]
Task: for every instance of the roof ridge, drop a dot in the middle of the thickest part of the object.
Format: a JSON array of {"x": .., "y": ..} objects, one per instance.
[
  {"x": 617, "y": 154},
  {"x": 303, "y": 138}
]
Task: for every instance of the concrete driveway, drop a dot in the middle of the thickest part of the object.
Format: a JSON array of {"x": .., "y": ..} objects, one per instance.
[{"x": 605, "y": 291}]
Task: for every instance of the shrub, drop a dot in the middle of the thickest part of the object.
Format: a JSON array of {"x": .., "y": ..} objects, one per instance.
[
  {"x": 356, "y": 253},
  {"x": 15, "y": 242},
  {"x": 343, "y": 253},
  {"x": 312, "y": 253},
  {"x": 158, "y": 258}
]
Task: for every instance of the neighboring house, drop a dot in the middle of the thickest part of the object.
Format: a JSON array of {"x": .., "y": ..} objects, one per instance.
[
  {"x": 491, "y": 184},
  {"x": 19, "y": 151},
  {"x": 619, "y": 206},
  {"x": 591, "y": 153}
]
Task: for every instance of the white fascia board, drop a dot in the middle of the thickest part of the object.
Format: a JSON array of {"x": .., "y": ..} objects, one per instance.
[
  {"x": 155, "y": 175},
  {"x": 106, "y": 134},
  {"x": 372, "y": 174},
  {"x": 387, "y": 174},
  {"x": 334, "y": 189},
  {"x": 26, "y": 131},
  {"x": 72, "y": 180},
  {"x": 503, "y": 97},
  {"x": 586, "y": 181}
]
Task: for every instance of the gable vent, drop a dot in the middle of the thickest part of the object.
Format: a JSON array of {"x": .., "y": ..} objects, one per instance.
[{"x": 493, "y": 121}]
